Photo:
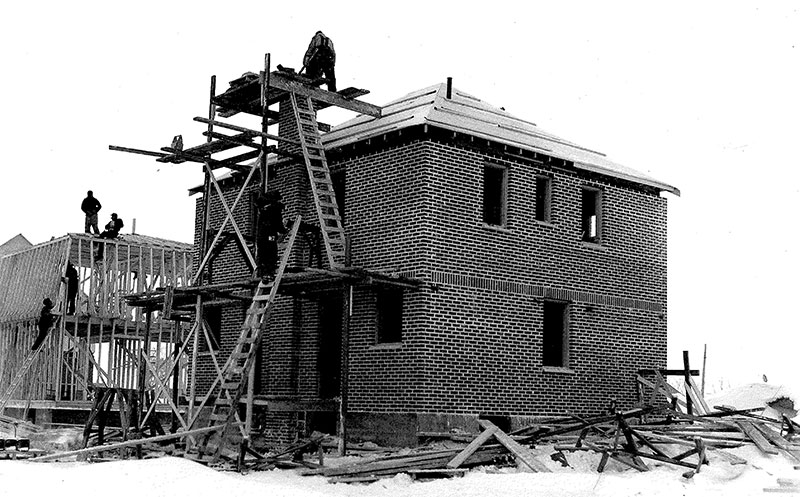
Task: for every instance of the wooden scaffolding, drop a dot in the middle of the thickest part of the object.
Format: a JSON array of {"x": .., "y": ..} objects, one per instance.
[{"x": 252, "y": 154}]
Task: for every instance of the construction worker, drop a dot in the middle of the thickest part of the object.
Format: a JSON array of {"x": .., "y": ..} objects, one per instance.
[
  {"x": 320, "y": 59},
  {"x": 270, "y": 225},
  {"x": 111, "y": 230},
  {"x": 71, "y": 278},
  {"x": 90, "y": 206},
  {"x": 46, "y": 320}
]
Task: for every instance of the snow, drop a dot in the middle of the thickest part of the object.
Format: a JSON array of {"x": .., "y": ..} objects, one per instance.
[
  {"x": 170, "y": 476},
  {"x": 756, "y": 395}
]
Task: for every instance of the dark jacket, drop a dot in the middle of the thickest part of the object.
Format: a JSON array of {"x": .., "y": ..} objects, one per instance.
[
  {"x": 270, "y": 219},
  {"x": 114, "y": 226},
  {"x": 91, "y": 205}
]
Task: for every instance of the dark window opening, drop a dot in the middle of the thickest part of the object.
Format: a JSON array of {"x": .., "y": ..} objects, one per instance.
[
  {"x": 494, "y": 195},
  {"x": 213, "y": 318},
  {"x": 555, "y": 342},
  {"x": 590, "y": 215},
  {"x": 543, "y": 198},
  {"x": 389, "y": 304},
  {"x": 330, "y": 345},
  {"x": 501, "y": 421}
]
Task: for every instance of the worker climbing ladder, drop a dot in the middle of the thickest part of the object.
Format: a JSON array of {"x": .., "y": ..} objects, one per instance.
[
  {"x": 319, "y": 176},
  {"x": 236, "y": 369},
  {"x": 15, "y": 383}
]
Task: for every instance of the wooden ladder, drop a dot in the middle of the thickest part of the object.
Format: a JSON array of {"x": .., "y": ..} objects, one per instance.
[
  {"x": 330, "y": 220},
  {"x": 236, "y": 369},
  {"x": 26, "y": 365}
]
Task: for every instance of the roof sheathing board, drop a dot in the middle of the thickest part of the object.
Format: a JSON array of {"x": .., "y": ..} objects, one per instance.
[{"x": 466, "y": 114}]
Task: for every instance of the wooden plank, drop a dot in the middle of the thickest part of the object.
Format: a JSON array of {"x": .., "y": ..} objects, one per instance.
[
  {"x": 282, "y": 82},
  {"x": 472, "y": 447},
  {"x": 129, "y": 443},
  {"x": 521, "y": 453},
  {"x": 772, "y": 436},
  {"x": 756, "y": 437},
  {"x": 699, "y": 396},
  {"x": 246, "y": 130}
]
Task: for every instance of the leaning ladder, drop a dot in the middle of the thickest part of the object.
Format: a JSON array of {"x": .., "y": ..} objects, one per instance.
[
  {"x": 26, "y": 365},
  {"x": 330, "y": 220},
  {"x": 236, "y": 369}
]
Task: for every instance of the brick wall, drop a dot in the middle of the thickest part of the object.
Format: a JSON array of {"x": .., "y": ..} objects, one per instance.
[{"x": 472, "y": 335}]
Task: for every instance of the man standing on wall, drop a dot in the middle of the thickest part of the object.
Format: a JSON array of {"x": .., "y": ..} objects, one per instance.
[
  {"x": 270, "y": 225},
  {"x": 320, "y": 58},
  {"x": 90, "y": 206}
]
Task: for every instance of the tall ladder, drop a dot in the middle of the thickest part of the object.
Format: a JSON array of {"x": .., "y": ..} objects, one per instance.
[
  {"x": 26, "y": 365},
  {"x": 330, "y": 220},
  {"x": 236, "y": 369}
]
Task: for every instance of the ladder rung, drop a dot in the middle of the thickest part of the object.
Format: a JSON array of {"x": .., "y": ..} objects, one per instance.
[{"x": 261, "y": 298}]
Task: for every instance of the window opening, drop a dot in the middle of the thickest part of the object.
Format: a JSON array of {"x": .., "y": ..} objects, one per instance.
[
  {"x": 590, "y": 215},
  {"x": 389, "y": 303},
  {"x": 555, "y": 343},
  {"x": 494, "y": 195}
]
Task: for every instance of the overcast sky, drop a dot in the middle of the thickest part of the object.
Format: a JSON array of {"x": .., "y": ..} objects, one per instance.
[{"x": 701, "y": 95}]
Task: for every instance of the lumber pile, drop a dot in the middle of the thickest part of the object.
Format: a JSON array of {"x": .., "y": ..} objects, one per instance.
[{"x": 491, "y": 446}]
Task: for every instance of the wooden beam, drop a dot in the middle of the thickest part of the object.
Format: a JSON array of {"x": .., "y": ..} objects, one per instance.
[
  {"x": 522, "y": 454},
  {"x": 137, "y": 151},
  {"x": 246, "y": 130},
  {"x": 129, "y": 443},
  {"x": 472, "y": 447},
  {"x": 282, "y": 82}
]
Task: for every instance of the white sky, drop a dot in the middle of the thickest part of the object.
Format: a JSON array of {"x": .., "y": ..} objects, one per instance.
[{"x": 703, "y": 96}]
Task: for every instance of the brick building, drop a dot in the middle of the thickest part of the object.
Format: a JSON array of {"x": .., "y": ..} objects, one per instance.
[{"x": 503, "y": 272}]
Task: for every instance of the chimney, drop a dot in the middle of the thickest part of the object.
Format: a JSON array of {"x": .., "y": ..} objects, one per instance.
[
  {"x": 449, "y": 87},
  {"x": 133, "y": 229}
]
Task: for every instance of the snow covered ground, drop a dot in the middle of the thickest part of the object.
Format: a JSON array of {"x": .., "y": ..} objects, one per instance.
[{"x": 175, "y": 477}]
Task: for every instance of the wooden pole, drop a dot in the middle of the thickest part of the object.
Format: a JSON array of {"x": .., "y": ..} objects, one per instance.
[
  {"x": 687, "y": 379},
  {"x": 703, "y": 378},
  {"x": 145, "y": 353},
  {"x": 264, "y": 123},
  {"x": 193, "y": 371},
  {"x": 347, "y": 312},
  {"x": 129, "y": 443},
  {"x": 212, "y": 109}
]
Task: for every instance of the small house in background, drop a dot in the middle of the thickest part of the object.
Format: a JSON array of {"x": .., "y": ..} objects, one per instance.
[
  {"x": 493, "y": 270},
  {"x": 15, "y": 244}
]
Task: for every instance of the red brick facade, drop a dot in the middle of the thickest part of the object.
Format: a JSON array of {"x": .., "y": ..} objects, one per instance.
[{"x": 472, "y": 332}]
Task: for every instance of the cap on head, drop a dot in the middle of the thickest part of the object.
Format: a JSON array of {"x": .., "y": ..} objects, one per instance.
[
  {"x": 113, "y": 215},
  {"x": 47, "y": 302},
  {"x": 89, "y": 193}
]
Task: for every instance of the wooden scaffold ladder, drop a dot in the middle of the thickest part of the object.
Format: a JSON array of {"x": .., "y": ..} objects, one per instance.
[
  {"x": 15, "y": 383},
  {"x": 237, "y": 368},
  {"x": 319, "y": 176}
]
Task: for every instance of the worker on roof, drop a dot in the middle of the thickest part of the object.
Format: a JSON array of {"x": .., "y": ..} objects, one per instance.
[
  {"x": 320, "y": 59},
  {"x": 90, "y": 206},
  {"x": 270, "y": 226},
  {"x": 46, "y": 320},
  {"x": 111, "y": 230}
]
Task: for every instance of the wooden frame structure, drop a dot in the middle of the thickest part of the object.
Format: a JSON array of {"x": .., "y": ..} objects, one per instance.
[{"x": 99, "y": 344}]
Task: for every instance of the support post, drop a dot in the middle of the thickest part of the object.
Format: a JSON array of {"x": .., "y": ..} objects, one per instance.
[
  {"x": 212, "y": 110},
  {"x": 347, "y": 312},
  {"x": 703, "y": 378},
  {"x": 687, "y": 378},
  {"x": 144, "y": 354}
]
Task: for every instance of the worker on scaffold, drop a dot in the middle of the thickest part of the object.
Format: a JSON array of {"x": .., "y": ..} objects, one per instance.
[
  {"x": 46, "y": 320},
  {"x": 270, "y": 226},
  {"x": 320, "y": 59}
]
